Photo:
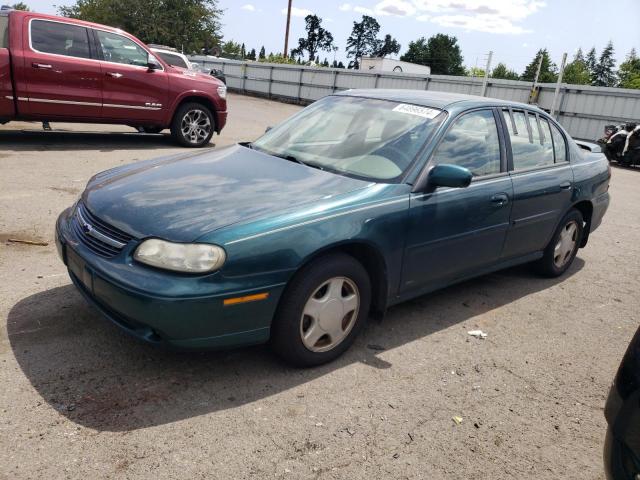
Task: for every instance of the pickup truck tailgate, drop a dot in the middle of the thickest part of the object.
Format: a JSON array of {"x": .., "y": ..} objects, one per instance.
[{"x": 7, "y": 106}]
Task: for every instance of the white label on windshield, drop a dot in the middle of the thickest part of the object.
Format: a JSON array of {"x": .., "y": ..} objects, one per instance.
[{"x": 424, "y": 112}]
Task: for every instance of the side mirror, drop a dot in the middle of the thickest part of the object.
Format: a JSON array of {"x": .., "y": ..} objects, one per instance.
[
  {"x": 153, "y": 63},
  {"x": 446, "y": 175}
]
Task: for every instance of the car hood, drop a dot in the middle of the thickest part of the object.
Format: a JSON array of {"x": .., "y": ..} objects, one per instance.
[{"x": 181, "y": 198}]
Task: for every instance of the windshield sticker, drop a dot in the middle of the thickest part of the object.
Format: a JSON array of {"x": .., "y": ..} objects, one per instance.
[{"x": 424, "y": 112}]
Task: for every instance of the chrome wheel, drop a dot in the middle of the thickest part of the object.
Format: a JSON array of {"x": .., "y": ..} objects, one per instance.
[
  {"x": 566, "y": 244},
  {"x": 195, "y": 126},
  {"x": 329, "y": 314}
]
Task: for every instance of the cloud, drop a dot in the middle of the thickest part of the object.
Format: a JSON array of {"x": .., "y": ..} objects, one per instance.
[
  {"x": 248, "y": 7},
  {"x": 492, "y": 16},
  {"x": 297, "y": 12}
]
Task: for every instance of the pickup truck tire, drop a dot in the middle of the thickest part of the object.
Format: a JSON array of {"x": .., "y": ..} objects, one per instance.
[
  {"x": 193, "y": 125},
  {"x": 563, "y": 247}
]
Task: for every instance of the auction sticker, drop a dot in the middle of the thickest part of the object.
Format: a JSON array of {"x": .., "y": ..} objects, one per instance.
[{"x": 424, "y": 112}]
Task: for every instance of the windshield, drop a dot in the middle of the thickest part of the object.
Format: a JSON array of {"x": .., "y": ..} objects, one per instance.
[{"x": 372, "y": 139}]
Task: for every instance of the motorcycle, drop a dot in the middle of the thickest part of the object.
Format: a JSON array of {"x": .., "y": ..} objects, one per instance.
[{"x": 621, "y": 144}]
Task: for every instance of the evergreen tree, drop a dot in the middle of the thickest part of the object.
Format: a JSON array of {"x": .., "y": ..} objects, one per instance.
[
  {"x": 252, "y": 55},
  {"x": 340, "y": 65},
  {"x": 317, "y": 38},
  {"x": 363, "y": 40},
  {"x": 243, "y": 51},
  {"x": 388, "y": 46},
  {"x": 548, "y": 70},
  {"x": 592, "y": 61},
  {"x": 605, "y": 75},
  {"x": 262, "y": 54},
  {"x": 629, "y": 71}
]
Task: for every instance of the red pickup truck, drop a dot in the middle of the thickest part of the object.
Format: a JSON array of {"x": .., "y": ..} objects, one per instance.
[{"x": 60, "y": 69}]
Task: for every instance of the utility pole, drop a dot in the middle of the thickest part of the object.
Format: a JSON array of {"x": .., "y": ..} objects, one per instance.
[
  {"x": 557, "y": 92},
  {"x": 534, "y": 89},
  {"x": 286, "y": 33},
  {"x": 486, "y": 75}
]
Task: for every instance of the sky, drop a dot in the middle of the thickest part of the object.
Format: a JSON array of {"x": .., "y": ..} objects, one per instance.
[{"x": 513, "y": 29}]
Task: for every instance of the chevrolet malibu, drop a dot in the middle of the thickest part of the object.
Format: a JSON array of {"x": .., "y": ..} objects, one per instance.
[{"x": 362, "y": 200}]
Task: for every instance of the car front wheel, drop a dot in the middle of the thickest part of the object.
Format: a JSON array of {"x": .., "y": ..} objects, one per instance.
[
  {"x": 322, "y": 311},
  {"x": 193, "y": 125},
  {"x": 563, "y": 247}
]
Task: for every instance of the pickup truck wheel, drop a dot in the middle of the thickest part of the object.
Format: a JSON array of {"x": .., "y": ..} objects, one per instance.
[
  {"x": 322, "y": 311},
  {"x": 563, "y": 247},
  {"x": 193, "y": 125}
]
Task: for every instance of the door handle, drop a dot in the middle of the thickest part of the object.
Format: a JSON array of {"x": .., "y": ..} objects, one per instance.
[
  {"x": 43, "y": 66},
  {"x": 500, "y": 199},
  {"x": 565, "y": 185},
  {"x": 114, "y": 74}
]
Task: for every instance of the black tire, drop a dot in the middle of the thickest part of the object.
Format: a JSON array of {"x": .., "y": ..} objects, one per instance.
[
  {"x": 287, "y": 328},
  {"x": 548, "y": 265},
  {"x": 177, "y": 124}
]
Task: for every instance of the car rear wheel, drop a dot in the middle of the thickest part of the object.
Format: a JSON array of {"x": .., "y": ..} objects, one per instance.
[
  {"x": 193, "y": 125},
  {"x": 563, "y": 247},
  {"x": 322, "y": 311}
]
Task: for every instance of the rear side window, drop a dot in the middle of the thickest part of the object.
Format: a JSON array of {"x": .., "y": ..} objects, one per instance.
[
  {"x": 472, "y": 142},
  {"x": 171, "y": 59},
  {"x": 529, "y": 145},
  {"x": 4, "y": 31},
  {"x": 60, "y": 39},
  {"x": 559, "y": 145}
]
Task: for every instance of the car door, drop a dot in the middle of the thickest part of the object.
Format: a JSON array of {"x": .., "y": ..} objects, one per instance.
[
  {"x": 132, "y": 92},
  {"x": 542, "y": 180},
  {"x": 61, "y": 76},
  {"x": 455, "y": 232}
]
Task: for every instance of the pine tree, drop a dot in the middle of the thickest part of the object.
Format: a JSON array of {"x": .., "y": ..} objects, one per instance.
[
  {"x": 629, "y": 71},
  {"x": 548, "y": 69},
  {"x": 262, "y": 54},
  {"x": 502, "y": 71},
  {"x": 605, "y": 75},
  {"x": 243, "y": 51},
  {"x": 252, "y": 54},
  {"x": 591, "y": 62}
]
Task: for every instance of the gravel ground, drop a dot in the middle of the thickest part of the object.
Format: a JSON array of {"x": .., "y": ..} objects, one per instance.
[{"x": 80, "y": 399}]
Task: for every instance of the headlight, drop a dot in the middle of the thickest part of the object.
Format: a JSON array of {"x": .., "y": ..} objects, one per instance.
[
  {"x": 180, "y": 257},
  {"x": 222, "y": 91}
]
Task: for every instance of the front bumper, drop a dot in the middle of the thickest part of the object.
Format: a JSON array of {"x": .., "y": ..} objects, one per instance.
[
  {"x": 190, "y": 319},
  {"x": 221, "y": 121}
]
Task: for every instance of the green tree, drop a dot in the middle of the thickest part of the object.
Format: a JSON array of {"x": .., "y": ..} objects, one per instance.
[
  {"x": 21, "y": 6},
  {"x": 475, "y": 72},
  {"x": 502, "y": 71},
  {"x": 440, "y": 52},
  {"x": 363, "y": 40},
  {"x": 629, "y": 72},
  {"x": 577, "y": 72},
  {"x": 243, "y": 52},
  {"x": 231, "y": 50},
  {"x": 262, "y": 54},
  {"x": 592, "y": 61},
  {"x": 317, "y": 38},
  {"x": 252, "y": 55},
  {"x": 548, "y": 70},
  {"x": 605, "y": 75},
  {"x": 388, "y": 46},
  {"x": 191, "y": 24}
]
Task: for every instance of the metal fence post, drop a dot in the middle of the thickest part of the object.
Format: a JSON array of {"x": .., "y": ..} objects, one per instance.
[
  {"x": 426, "y": 82},
  {"x": 375, "y": 83},
  {"x": 300, "y": 85},
  {"x": 335, "y": 81},
  {"x": 270, "y": 79}
]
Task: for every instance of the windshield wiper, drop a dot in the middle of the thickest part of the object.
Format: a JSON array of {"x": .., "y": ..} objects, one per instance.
[{"x": 291, "y": 158}]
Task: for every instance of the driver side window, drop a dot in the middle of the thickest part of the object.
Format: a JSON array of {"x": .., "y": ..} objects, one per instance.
[
  {"x": 472, "y": 142},
  {"x": 119, "y": 49}
]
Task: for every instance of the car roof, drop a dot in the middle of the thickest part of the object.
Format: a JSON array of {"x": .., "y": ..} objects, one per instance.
[
  {"x": 72, "y": 21},
  {"x": 426, "y": 98}
]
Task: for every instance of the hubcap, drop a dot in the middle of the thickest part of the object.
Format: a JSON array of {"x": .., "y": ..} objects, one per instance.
[
  {"x": 566, "y": 244},
  {"x": 329, "y": 314},
  {"x": 195, "y": 126}
]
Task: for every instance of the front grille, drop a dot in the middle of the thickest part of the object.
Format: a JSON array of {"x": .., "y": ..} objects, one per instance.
[{"x": 98, "y": 236}]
